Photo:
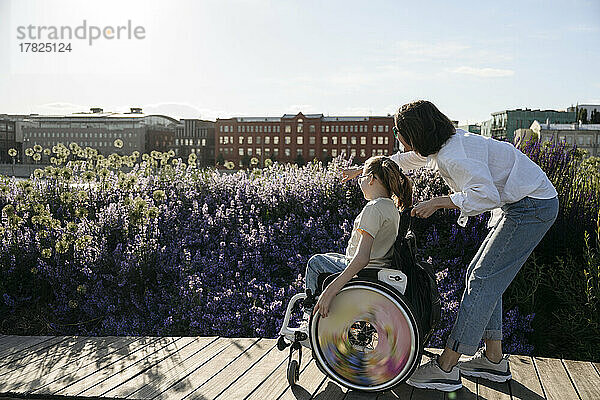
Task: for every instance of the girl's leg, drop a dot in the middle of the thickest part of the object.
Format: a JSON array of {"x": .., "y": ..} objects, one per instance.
[
  {"x": 319, "y": 263},
  {"x": 512, "y": 241}
]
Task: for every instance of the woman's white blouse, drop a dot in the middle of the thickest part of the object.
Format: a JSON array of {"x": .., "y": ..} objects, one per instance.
[{"x": 483, "y": 173}]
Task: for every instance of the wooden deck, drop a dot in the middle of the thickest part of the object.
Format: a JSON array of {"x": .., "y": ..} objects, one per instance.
[{"x": 46, "y": 367}]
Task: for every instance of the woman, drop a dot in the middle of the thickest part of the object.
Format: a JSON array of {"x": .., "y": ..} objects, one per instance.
[{"x": 484, "y": 174}]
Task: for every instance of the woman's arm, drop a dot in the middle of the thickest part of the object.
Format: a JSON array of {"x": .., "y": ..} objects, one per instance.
[
  {"x": 426, "y": 208},
  {"x": 409, "y": 160},
  {"x": 358, "y": 262}
]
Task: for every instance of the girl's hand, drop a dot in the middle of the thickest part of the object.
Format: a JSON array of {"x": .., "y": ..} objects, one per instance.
[
  {"x": 350, "y": 173},
  {"x": 326, "y": 297}
]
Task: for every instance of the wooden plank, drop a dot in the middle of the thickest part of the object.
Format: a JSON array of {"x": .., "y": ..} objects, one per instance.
[
  {"x": 554, "y": 379},
  {"x": 490, "y": 390},
  {"x": 276, "y": 384},
  {"x": 131, "y": 369},
  {"x": 224, "y": 378},
  {"x": 85, "y": 366},
  {"x": 114, "y": 363},
  {"x": 525, "y": 383},
  {"x": 186, "y": 367},
  {"x": 310, "y": 380},
  {"x": 330, "y": 390},
  {"x": 585, "y": 378},
  {"x": 37, "y": 360},
  {"x": 12, "y": 361},
  {"x": 257, "y": 373},
  {"x": 12, "y": 345},
  {"x": 402, "y": 391},
  {"x": 153, "y": 376},
  {"x": 43, "y": 372},
  {"x": 236, "y": 348}
]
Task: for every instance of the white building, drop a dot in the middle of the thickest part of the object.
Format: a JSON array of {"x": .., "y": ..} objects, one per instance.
[{"x": 585, "y": 136}]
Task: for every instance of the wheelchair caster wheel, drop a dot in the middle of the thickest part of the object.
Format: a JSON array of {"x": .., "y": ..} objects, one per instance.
[
  {"x": 293, "y": 372},
  {"x": 281, "y": 344}
]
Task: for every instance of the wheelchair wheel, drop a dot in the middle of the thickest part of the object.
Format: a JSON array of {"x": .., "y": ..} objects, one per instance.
[
  {"x": 370, "y": 340},
  {"x": 293, "y": 372}
]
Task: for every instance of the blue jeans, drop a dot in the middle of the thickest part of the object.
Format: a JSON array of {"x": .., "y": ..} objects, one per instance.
[
  {"x": 330, "y": 262},
  {"x": 501, "y": 255}
]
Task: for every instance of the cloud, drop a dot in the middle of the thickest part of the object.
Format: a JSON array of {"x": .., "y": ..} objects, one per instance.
[{"x": 484, "y": 72}]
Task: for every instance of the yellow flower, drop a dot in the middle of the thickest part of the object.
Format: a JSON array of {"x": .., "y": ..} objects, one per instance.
[
  {"x": 37, "y": 148},
  {"x": 38, "y": 173},
  {"x": 47, "y": 152},
  {"x": 12, "y": 152},
  {"x": 229, "y": 165},
  {"x": 118, "y": 143},
  {"x": 29, "y": 152},
  {"x": 36, "y": 157},
  {"x": 61, "y": 247},
  {"x": 254, "y": 161},
  {"x": 46, "y": 253}
]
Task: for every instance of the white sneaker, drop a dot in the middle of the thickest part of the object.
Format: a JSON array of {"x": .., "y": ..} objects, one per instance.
[
  {"x": 480, "y": 367},
  {"x": 431, "y": 376}
]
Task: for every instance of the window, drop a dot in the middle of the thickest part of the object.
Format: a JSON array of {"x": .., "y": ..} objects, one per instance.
[
  {"x": 203, "y": 142},
  {"x": 288, "y": 152},
  {"x": 299, "y": 128},
  {"x": 267, "y": 139},
  {"x": 374, "y": 128},
  {"x": 258, "y": 152},
  {"x": 288, "y": 129},
  {"x": 324, "y": 139},
  {"x": 221, "y": 128},
  {"x": 386, "y": 140},
  {"x": 220, "y": 140},
  {"x": 311, "y": 152},
  {"x": 327, "y": 129},
  {"x": 373, "y": 152},
  {"x": 298, "y": 139},
  {"x": 362, "y": 153},
  {"x": 241, "y": 151},
  {"x": 344, "y": 139},
  {"x": 287, "y": 140},
  {"x": 334, "y": 152},
  {"x": 353, "y": 140},
  {"x": 260, "y": 128},
  {"x": 258, "y": 140},
  {"x": 380, "y": 128},
  {"x": 311, "y": 129},
  {"x": 241, "y": 140},
  {"x": 363, "y": 140},
  {"x": 275, "y": 152},
  {"x": 226, "y": 128},
  {"x": 379, "y": 139},
  {"x": 322, "y": 128},
  {"x": 334, "y": 140},
  {"x": 249, "y": 139},
  {"x": 385, "y": 151},
  {"x": 276, "y": 140},
  {"x": 379, "y": 152},
  {"x": 249, "y": 151},
  {"x": 353, "y": 152},
  {"x": 387, "y": 128},
  {"x": 337, "y": 128},
  {"x": 311, "y": 140},
  {"x": 298, "y": 152}
]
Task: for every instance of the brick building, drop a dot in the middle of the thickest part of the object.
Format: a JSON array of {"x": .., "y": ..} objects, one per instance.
[{"x": 302, "y": 137}]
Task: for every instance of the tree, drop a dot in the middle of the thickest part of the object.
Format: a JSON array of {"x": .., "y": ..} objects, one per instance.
[
  {"x": 245, "y": 161},
  {"x": 220, "y": 159},
  {"x": 300, "y": 160},
  {"x": 595, "y": 117},
  {"x": 582, "y": 116}
]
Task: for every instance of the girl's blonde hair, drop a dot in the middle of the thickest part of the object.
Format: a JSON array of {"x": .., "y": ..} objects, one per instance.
[{"x": 393, "y": 179}]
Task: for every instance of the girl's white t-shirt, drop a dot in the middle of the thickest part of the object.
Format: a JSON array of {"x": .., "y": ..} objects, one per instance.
[{"x": 380, "y": 218}]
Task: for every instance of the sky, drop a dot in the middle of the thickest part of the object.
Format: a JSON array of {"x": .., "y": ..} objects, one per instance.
[{"x": 221, "y": 59}]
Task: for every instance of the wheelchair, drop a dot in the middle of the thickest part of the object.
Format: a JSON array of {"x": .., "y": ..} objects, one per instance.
[{"x": 374, "y": 335}]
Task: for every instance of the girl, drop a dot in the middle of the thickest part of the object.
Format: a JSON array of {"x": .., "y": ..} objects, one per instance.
[
  {"x": 484, "y": 174},
  {"x": 387, "y": 190}
]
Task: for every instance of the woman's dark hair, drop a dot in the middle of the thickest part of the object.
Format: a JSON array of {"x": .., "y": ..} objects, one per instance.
[
  {"x": 423, "y": 126},
  {"x": 393, "y": 179}
]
